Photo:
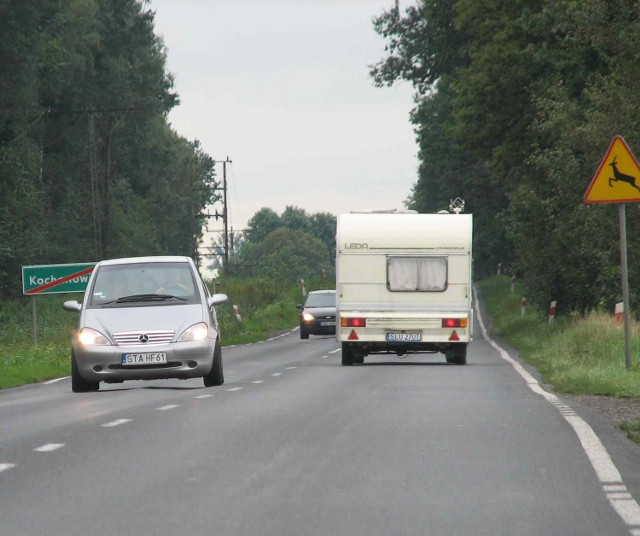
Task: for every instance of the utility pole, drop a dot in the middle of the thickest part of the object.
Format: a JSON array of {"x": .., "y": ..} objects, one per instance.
[
  {"x": 225, "y": 214},
  {"x": 225, "y": 210}
]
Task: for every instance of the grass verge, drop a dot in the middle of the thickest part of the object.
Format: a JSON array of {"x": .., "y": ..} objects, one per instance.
[{"x": 575, "y": 355}]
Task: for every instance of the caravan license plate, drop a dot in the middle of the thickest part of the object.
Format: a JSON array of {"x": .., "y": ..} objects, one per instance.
[
  {"x": 144, "y": 359},
  {"x": 404, "y": 336}
]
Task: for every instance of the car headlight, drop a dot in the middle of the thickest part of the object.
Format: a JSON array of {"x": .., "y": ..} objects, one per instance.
[
  {"x": 308, "y": 317},
  {"x": 90, "y": 336},
  {"x": 197, "y": 332}
]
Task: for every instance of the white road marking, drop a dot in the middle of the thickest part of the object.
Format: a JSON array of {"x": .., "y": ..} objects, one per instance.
[
  {"x": 204, "y": 396},
  {"x": 336, "y": 351},
  {"x": 167, "y": 407},
  {"x": 117, "y": 422},
  {"x": 50, "y": 447},
  {"x": 56, "y": 380},
  {"x": 233, "y": 389},
  {"x": 289, "y": 368},
  {"x": 6, "y": 466},
  {"x": 606, "y": 471},
  {"x": 277, "y": 374},
  {"x": 295, "y": 329},
  {"x": 324, "y": 357},
  {"x": 258, "y": 381}
]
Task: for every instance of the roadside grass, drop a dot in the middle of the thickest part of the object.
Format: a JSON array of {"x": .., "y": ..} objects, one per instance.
[
  {"x": 266, "y": 307},
  {"x": 575, "y": 355}
]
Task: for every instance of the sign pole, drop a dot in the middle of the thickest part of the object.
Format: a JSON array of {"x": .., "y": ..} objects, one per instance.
[
  {"x": 35, "y": 320},
  {"x": 625, "y": 283}
]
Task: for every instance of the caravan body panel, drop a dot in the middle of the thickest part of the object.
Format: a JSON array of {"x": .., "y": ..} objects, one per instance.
[{"x": 403, "y": 283}]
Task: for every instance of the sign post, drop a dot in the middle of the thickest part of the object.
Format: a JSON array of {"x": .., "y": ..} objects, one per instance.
[
  {"x": 620, "y": 184},
  {"x": 53, "y": 279}
]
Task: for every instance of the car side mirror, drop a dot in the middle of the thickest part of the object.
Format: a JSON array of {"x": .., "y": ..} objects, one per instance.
[
  {"x": 217, "y": 299},
  {"x": 72, "y": 305}
]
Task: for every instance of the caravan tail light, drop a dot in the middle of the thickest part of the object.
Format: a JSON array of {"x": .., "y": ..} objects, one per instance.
[
  {"x": 353, "y": 322},
  {"x": 454, "y": 322}
]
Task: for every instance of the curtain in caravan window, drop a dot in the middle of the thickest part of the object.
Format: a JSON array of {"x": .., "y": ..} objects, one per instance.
[
  {"x": 402, "y": 273},
  {"x": 411, "y": 274},
  {"x": 432, "y": 274}
]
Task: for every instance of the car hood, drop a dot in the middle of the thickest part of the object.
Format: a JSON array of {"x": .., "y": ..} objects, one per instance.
[
  {"x": 163, "y": 317},
  {"x": 321, "y": 311}
]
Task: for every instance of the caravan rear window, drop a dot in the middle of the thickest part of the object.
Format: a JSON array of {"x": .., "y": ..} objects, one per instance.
[{"x": 417, "y": 274}]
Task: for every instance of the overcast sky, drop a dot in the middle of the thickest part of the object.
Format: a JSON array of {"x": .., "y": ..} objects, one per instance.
[{"x": 282, "y": 88}]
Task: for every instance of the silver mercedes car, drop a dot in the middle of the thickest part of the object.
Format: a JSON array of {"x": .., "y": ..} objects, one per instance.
[{"x": 145, "y": 318}]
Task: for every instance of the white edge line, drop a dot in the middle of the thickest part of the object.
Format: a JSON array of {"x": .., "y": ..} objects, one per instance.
[
  {"x": 56, "y": 380},
  {"x": 6, "y": 466},
  {"x": 606, "y": 471}
]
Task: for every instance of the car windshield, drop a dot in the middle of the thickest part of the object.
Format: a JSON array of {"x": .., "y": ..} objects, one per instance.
[
  {"x": 325, "y": 299},
  {"x": 144, "y": 282}
]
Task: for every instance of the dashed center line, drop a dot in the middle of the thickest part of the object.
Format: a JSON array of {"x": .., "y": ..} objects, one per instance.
[
  {"x": 167, "y": 407},
  {"x": 204, "y": 396},
  {"x": 117, "y": 422},
  {"x": 277, "y": 374},
  {"x": 233, "y": 389},
  {"x": 335, "y": 351},
  {"x": 258, "y": 381},
  {"x": 289, "y": 368},
  {"x": 6, "y": 466},
  {"x": 50, "y": 447}
]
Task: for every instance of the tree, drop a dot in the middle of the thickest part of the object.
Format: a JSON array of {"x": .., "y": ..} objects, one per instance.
[
  {"x": 261, "y": 224},
  {"x": 290, "y": 255}
]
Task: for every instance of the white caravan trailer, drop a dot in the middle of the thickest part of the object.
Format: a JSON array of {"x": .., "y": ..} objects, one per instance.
[{"x": 403, "y": 284}]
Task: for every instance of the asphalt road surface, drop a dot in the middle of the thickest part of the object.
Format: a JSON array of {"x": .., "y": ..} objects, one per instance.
[{"x": 296, "y": 444}]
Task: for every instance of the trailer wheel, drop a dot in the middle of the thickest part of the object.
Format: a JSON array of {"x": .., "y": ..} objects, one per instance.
[
  {"x": 347, "y": 355},
  {"x": 457, "y": 357}
]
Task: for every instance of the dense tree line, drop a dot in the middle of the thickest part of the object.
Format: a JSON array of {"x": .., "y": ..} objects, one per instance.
[
  {"x": 516, "y": 104},
  {"x": 89, "y": 166},
  {"x": 290, "y": 246}
]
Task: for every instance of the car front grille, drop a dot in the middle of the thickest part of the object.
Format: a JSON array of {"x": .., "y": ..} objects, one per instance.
[{"x": 143, "y": 338}]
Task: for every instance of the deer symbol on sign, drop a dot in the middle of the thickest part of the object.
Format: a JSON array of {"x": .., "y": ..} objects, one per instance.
[{"x": 619, "y": 176}]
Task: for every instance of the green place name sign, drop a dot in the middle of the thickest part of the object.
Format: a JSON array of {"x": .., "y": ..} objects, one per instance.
[{"x": 56, "y": 278}]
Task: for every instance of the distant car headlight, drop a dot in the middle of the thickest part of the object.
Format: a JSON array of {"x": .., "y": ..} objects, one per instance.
[
  {"x": 197, "y": 332},
  {"x": 92, "y": 337},
  {"x": 308, "y": 317}
]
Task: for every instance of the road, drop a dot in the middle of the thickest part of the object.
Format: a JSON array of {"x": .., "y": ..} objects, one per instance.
[{"x": 295, "y": 444}]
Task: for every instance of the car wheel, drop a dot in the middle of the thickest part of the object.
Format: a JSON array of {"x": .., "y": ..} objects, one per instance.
[
  {"x": 347, "y": 355},
  {"x": 216, "y": 376},
  {"x": 304, "y": 334},
  {"x": 78, "y": 383}
]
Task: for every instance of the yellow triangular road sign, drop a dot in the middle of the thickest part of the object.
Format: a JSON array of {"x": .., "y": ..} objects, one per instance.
[{"x": 618, "y": 177}]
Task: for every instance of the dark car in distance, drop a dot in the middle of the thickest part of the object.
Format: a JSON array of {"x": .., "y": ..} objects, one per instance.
[{"x": 318, "y": 313}]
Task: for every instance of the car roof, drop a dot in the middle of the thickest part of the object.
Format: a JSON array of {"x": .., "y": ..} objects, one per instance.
[{"x": 135, "y": 260}]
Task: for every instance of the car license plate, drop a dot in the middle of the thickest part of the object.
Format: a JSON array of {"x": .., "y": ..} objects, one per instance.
[
  {"x": 403, "y": 336},
  {"x": 328, "y": 323},
  {"x": 144, "y": 359}
]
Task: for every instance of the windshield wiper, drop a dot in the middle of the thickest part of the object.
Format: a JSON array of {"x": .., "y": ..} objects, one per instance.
[{"x": 147, "y": 297}]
